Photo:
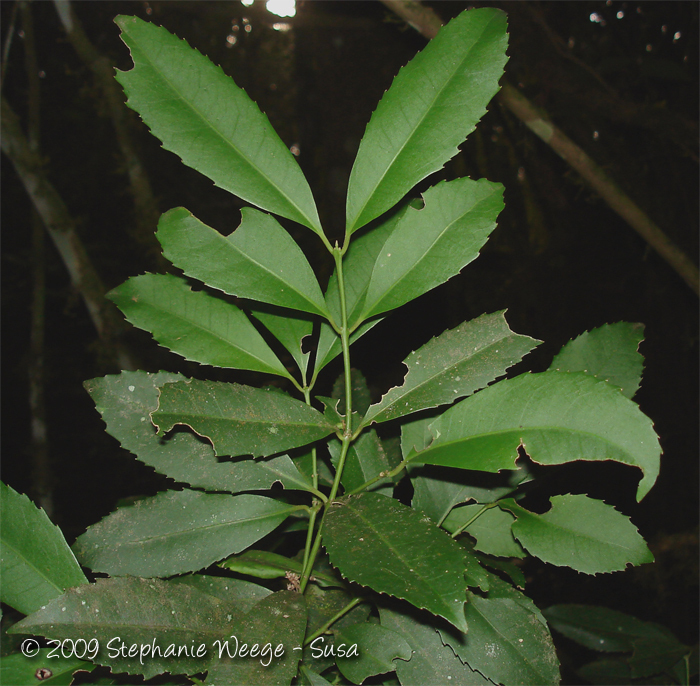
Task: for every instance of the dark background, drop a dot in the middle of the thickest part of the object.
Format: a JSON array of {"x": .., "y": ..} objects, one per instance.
[{"x": 614, "y": 76}]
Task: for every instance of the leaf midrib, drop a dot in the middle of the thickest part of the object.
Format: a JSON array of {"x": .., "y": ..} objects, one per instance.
[
  {"x": 219, "y": 134},
  {"x": 400, "y": 150}
]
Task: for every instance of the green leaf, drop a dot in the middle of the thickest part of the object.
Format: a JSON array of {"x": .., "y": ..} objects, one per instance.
[
  {"x": 259, "y": 260},
  {"x": 579, "y": 532},
  {"x": 492, "y": 530},
  {"x": 18, "y": 670},
  {"x": 603, "y": 629},
  {"x": 289, "y": 330},
  {"x": 36, "y": 563},
  {"x": 453, "y": 365},
  {"x": 508, "y": 642},
  {"x": 365, "y": 460},
  {"x": 237, "y": 593},
  {"x": 558, "y": 417},
  {"x": 432, "y": 661},
  {"x": 278, "y": 620},
  {"x": 201, "y": 115},
  {"x": 177, "y": 531},
  {"x": 239, "y": 420},
  {"x": 126, "y": 401},
  {"x": 656, "y": 655},
  {"x": 433, "y": 104},
  {"x": 380, "y": 543},
  {"x": 431, "y": 245},
  {"x": 436, "y": 490},
  {"x": 196, "y": 325},
  {"x": 137, "y": 612},
  {"x": 609, "y": 353},
  {"x": 377, "y": 647}
]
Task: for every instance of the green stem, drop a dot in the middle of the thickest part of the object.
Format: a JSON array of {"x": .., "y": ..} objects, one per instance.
[
  {"x": 319, "y": 632},
  {"x": 347, "y": 437},
  {"x": 474, "y": 518}
]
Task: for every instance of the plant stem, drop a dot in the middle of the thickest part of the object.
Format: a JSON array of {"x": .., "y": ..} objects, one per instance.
[
  {"x": 347, "y": 437},
  {"x": 353, "y": 603}
]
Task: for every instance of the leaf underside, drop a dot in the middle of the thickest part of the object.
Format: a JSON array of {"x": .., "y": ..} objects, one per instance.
[{"x": 201, "y": 115}]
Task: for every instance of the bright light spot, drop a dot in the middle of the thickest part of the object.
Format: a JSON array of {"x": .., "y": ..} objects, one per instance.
[
  {"x": 597, "y": 18},
  {"x": 620, "y": 14},
  {"x": 247, "y": 3},
  {"x": 248, "y": 28},
  {"x": 676, "y": 36},
  {"x": 596, "y": 135},
  {"x": 149, "y": 9},
  {"x": 648, "y": 48},
  {"x": 281, "y": 26},
  {"x": 282, "y": 8},
  {"x": 231, "y": 40},
  {"x": 295, "y": 150}
]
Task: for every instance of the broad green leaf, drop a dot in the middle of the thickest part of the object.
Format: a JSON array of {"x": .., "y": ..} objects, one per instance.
[
  {"x": 510, "y": 569},
  {"x": 609, "y": 352},
  {"x": 177, "y": 531},
  {"x": 312, "y": 678},
  {"x": 36, "y": 563},
  {"x": 377, "y": 647},
  {"x": 365, "y": 460},
  {"x": 266, "y": 565},
  {"x": 433, "y": 104},
  {"x": 141, "y": 612},
  {"x": 237, "y": 593},
  {"x": 492, "y": 530},
  {"x": 239, "y": 420},
  {"x": 278, "y": 621},
  {"x": 453, "y": 365},
  {"x": 126, "y": 401},
  {"x": 606, "y": 672},
  {"x": 436, "y": 490},
  {"x": 18, "y": 670},
  {"x": 378, "y": 542},
  {"x": 558, "y": 417},
  {"x": 212, "y": 125},
  {"x": 508, "y": 642},
  {"x": 289, "y": 329},
  {"x": 431, "y": 245},
  {"x": 259, "y": 260},
  {"x": 432, "y": 661},
  {"x": 579, "y": 532},
  {"x": 416, "y": 436},
  {"x": 603, "y": 629},
  {"x": 195, "y": 324}
]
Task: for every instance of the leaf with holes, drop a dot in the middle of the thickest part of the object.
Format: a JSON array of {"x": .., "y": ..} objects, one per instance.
[
  {"x": 126, "y": 402},
  {"x": 558, "y": 417},
  {"x": 259, "y": 260},
  {"x": 579, "y": 532},
  {"x": 201, "y": 115},
  {"x": 239, "y": 420}
]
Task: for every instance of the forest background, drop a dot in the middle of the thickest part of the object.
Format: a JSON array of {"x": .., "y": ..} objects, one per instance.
[{"x": 620, "y": 79}]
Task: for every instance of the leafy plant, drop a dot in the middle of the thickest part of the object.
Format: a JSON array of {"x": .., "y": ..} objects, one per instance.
[{"x": 397, "y": 555}]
